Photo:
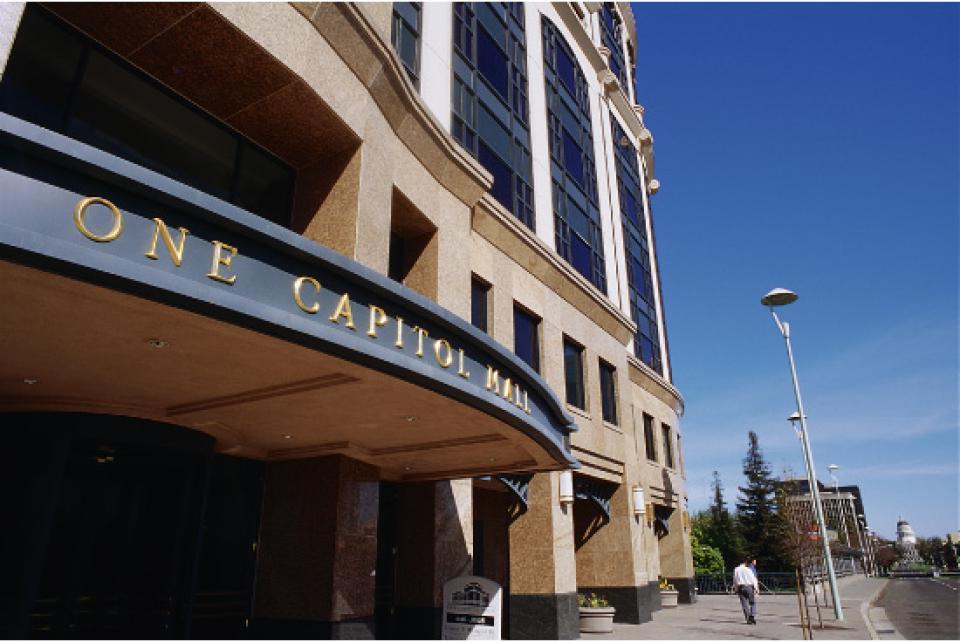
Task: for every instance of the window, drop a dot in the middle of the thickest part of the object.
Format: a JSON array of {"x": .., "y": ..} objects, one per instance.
[
  {"x": 611, "y": 31},
  {"x": 490, "y": 105},
  {"x": 573, "y": 373},
  {"x": 59, "y": 79},
  {"x": 526, "y": 337},
  {"x": 575, "y": 209},
  {"x": 648, "y": 437},
  {"x": 608, "y": 392},
  {"x": 646, "y": 342},
  {"x": 479, "y": 299},
  {"x": 667, "y": 445},
  {"x": 405, "y": 36}
]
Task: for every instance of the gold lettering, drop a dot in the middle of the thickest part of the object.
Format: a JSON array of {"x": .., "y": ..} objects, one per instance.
[
  {"x": 526, "y": 403},
  {"x": 399, "y": 342},
  {"x": 176, "y": 252},
  {"x": 80, "y": 211},
  {"x": 421, "y": 333},
  {"x": 219, "y": 259},
  {"x": 448, "y": 359},
  {"x": 493, "y": 380},
  {"x": 298, "y": 295},
  {"x": 507, "y": 392},
  {"x": 377, "y": 318},
  {"x": 461, "y": 371},
  {"x": 343, "y": 310}
]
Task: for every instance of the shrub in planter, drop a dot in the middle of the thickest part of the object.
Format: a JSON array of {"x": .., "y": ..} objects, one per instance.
[
  {"x": 596, "y": 614},
  {"x": 668, "y": 594}
]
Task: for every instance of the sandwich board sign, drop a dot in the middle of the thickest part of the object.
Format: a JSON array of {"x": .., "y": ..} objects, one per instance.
[{"x": 472, "y": 609}]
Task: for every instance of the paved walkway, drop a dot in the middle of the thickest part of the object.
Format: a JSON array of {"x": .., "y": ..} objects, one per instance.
[{"x": 718, "y": 617}]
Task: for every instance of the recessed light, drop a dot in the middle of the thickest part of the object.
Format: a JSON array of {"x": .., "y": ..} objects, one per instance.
[
  {"x": 410, "y": 418},
  {"x": 157, "y": 343},
  {"x": 287, "y": 436},
  {"x": 30, "y": 382},
  {"x": 407, "y": 468}
]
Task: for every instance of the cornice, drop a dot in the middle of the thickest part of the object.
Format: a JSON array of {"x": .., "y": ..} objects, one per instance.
[
  {"x": 505, "y": 231},
  {"x": 648, "y": 379},
  {"x": 377, "y": 66}
]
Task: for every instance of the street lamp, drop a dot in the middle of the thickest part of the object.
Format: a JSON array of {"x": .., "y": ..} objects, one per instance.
[
  {"x": 772, "y": 299},
  {"x": 832, "y": 468}
]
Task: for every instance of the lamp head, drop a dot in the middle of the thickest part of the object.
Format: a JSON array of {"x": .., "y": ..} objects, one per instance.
[
  {"x": 794, "y": 418},
  {"x": 778, "y": 296},
  {"x": 832, "y": 467}
]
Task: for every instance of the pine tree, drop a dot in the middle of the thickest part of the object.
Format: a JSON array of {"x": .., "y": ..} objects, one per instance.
[
  {"x": 722, "y": 532},
  {"x": 760, "y": 523}
]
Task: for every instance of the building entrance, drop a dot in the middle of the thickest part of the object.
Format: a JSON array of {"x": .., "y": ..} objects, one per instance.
[{"x": 106, "y": 528}]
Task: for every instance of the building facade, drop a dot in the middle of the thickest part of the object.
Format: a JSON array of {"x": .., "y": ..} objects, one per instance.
[{"x": 311, "y": 307}]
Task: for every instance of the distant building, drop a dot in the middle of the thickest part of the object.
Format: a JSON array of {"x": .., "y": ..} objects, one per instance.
[
  {"x": 907, "y": 543},
  {"x": 846, "y": 522}
]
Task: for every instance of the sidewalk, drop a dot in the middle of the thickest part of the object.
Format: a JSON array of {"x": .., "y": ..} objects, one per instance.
[{"x": 719, "y": 617}]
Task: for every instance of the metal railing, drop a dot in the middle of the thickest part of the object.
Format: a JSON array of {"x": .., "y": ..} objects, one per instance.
[{"x": 769, "y": 582}]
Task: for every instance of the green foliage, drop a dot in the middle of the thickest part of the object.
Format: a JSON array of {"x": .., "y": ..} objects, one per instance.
[
  {"x": 761, "y": 525},
  {"x": 592, "y": 601},
  {"x": 707, "y": 559},
  {"x": 720, "y": 530}
]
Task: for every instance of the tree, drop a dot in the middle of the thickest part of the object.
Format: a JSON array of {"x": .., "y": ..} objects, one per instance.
[
  {"x": 721, "y": 530},
  {"x": 887, "y": 556},
  {"x": 761, "y": 525},
  {"x": 707, "y": 559}
]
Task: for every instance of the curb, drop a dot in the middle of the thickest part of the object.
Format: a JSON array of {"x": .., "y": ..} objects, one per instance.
[{"x": 875, "y": 617}]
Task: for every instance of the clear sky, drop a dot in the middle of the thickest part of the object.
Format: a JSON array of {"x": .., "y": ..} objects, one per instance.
[{"x": 812, "y": 147}]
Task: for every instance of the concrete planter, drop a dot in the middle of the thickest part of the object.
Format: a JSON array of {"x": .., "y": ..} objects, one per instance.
[
  {"x": 597, "y": 619},
  {"x": 668, "y": 598}
]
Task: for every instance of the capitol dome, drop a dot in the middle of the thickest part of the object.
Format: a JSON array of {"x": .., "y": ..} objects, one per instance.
[{"x": 905, "y": 534}]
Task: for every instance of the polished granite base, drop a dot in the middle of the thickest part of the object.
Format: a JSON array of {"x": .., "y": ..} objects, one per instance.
[
  {"x": 544, "y": 617},
  {"x": 686, "y": 589},
  {"x": 633, "y": 604},
  {"x": 274, "y": 628}
]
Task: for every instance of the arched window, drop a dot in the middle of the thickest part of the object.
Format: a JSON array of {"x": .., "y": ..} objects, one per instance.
[
  {"x": 490, "y": 104},
  {"x": 639, "y": 276},
  {"x": 573, "y": 173},
  {"x": 60, "y": 79},
  {"x": 611, "y": 28}
]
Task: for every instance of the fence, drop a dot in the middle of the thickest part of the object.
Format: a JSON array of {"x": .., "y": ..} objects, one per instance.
[{"x": 777, "y": 582}]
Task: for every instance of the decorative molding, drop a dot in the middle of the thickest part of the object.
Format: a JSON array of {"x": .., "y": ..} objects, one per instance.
[
  {"x": 343, "y": 26},
  {"x": 462, "y": 473},
  {"x": 648, "y": 379},
  {"x": 259, "y": 394},
  {"x": 437, "y": 445},
  {"x": 504, "y": 231}
]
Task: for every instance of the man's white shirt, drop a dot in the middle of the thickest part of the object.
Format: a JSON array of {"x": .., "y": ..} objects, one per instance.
[{"x": 743, "y": 576}]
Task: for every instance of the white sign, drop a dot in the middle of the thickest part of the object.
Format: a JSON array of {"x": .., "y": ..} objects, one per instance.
[{"x": 472, "y": 609}]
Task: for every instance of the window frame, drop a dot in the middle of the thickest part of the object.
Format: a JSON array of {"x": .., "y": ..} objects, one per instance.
[
  {"x": 666, "y": 432},
  {"x": 609, "y": 414},
  {"x": 397, "y": 23},
  {"x": 649, "y": 438},
  {"x": 520, "y": 311},
  {"x": 478, "y": 285},
  {"x": 577, "y": 349}
]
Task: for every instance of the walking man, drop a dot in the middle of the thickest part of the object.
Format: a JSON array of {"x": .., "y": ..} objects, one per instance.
[{"x": 746, "y": 585}]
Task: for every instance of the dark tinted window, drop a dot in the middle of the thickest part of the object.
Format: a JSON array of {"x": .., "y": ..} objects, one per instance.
[
  {"x": 59, "y": 79},
  {"x": 490, "y": 110},
  {"x": 526, "y": 340},
  {"x": 667, "y": 445},
  {"x": 611, "y": 31},
  {"x": 576, "y": 210},
  {"x": 608, "y": 392},
  {"x": 479, "y": 298},
  {"x": 573, "y": 372},
  {"x": 405, "y": 36},
  {"x": 636, "y": 243},
  {"x": 649, "y": 438}
]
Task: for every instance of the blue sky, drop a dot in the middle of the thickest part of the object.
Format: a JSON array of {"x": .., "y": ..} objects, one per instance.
[{"x": 812, "y": 147}]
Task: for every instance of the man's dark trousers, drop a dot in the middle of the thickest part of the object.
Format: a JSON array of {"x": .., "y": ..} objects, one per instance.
[{"x": 748, "y": 601}]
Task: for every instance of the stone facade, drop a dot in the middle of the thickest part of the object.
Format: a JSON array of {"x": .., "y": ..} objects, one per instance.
[{"x": 374, "y": 496}]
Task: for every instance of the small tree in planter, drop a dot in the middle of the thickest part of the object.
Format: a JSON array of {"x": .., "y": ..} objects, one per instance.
[
  {"x": 596, "y": 614},
  {"x": 668, "y": 594}
]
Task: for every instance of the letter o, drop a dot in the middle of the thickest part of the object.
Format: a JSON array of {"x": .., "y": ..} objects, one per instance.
[
  {"x": 443, "y": 361},
  {"x": 298, "y": 285},
  {"x": 80, "y": 211}
]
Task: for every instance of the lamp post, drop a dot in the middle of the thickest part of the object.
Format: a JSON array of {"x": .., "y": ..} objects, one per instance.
[
  {"x": 773, "y": 299},
  {"x": 832, "y": 468}
]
